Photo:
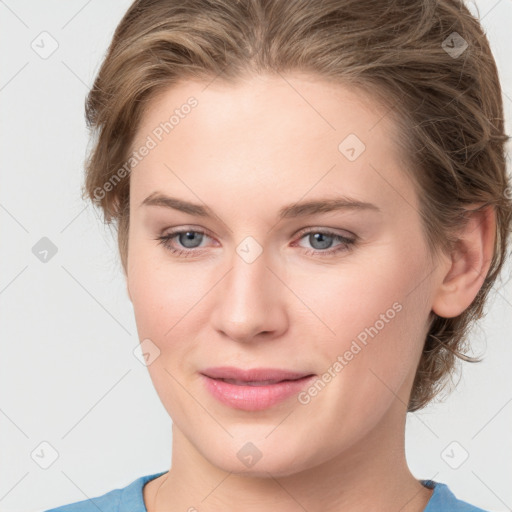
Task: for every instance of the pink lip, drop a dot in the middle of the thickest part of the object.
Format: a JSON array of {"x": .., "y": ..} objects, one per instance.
[
  {"x": 254, "y": 374},
  {"x": 253, "y": 397}
]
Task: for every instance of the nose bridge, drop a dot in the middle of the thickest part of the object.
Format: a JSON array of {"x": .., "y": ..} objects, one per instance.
[
  {"x": 248, "y": 280},
  {"x": 248, "y": 299}
]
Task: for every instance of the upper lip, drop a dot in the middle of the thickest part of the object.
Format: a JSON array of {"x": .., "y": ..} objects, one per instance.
[{"x": 253, "y": 374}]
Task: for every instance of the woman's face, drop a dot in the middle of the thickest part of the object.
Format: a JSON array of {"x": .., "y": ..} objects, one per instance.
[{"x": 268, "y": 278}]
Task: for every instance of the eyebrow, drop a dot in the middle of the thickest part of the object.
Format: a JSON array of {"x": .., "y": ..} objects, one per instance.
[{"x": 301, "y": 209}]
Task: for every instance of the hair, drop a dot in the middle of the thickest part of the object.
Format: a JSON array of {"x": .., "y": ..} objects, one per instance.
[{"x": 444, "y": 100}]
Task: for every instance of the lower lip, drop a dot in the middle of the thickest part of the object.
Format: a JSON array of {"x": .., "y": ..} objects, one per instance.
[{"x": 254, "y": 398}]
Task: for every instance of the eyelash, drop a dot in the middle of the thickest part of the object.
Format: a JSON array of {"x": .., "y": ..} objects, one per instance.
[{"x": 346, "y": 243}]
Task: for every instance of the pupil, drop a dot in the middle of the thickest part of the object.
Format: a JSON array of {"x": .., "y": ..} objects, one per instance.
[
  {"x": 325, "y": 240},
  {"x": 189, "y": 237}
]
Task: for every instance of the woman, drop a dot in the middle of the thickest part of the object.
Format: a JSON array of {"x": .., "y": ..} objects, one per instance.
[{"x": 312, "y": 207}]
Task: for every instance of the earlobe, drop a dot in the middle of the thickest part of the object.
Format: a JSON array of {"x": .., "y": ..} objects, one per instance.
[{"x": 468, "y": 265}]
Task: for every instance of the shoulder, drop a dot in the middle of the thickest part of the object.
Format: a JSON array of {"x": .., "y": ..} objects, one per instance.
[
  {"x": 443, "y": 500},
  {"x": 126, "y": 499}
]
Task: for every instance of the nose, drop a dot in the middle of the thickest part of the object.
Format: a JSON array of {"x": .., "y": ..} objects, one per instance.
[{"x": 249, "y": 301}]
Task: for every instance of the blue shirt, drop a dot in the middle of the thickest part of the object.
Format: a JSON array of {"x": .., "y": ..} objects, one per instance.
[{"x": 130, "y": 499}]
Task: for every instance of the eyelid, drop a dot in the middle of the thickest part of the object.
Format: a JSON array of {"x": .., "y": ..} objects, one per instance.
[
  {"x": 322, "y": 229},
  {"x": 347, "y": 244},
  {"x": 183, "y": 229},
  {"x": 306, "y": 230}
]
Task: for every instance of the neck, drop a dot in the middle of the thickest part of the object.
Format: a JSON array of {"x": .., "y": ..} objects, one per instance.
[{"x": 371, "y": 473}]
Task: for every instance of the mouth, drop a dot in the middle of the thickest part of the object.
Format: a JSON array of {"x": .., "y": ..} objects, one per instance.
[
  {"x": 256, "y": 389},
  {"x": 255, "y": 382},
  {"x": 253, "y": 376}
]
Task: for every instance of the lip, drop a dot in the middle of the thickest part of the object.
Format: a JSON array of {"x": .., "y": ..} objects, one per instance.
[
  {"x": 254, "y": 374},
  {"x": 255, "y": 397}
]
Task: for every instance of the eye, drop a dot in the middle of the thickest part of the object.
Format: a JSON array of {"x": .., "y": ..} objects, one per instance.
[
  {"x": 190, "y": 239},
  {"x": 322, "y": 239},
  {"x": 189, "y": 242}
]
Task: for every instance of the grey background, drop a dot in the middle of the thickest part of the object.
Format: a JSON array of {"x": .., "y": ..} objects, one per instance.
[{"x": 68, "y": 373}]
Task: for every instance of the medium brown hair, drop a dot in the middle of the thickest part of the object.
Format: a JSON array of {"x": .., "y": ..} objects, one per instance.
[{"x": 410, "y": 55}]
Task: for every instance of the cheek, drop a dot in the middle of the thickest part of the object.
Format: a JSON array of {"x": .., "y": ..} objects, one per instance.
[
  {"x": 377, "y": 315},
  {"x": 162, "y": 294},
  {"x": 365, "y": 292},
  {"x": 370, "y": 363},
  {"x": 161, "y": 300}
]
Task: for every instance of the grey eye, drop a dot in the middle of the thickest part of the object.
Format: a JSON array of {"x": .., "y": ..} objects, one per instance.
[
  {"x": 190, "y": 239},
  {"x": 320, "y": 240}
]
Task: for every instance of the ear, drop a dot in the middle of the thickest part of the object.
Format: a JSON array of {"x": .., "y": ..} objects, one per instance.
[{"x": 467, "y": 265}]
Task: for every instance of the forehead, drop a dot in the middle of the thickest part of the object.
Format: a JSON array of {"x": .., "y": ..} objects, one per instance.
[
  {"x": 260, "y": 100},
  {"x": 295, "y": 132}
]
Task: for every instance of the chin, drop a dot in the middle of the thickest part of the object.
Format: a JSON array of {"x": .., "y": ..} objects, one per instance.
[{"x": 259, "y": 459}]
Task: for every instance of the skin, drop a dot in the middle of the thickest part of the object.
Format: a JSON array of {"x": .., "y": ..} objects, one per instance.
[{"x": 246, "y": 151}]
